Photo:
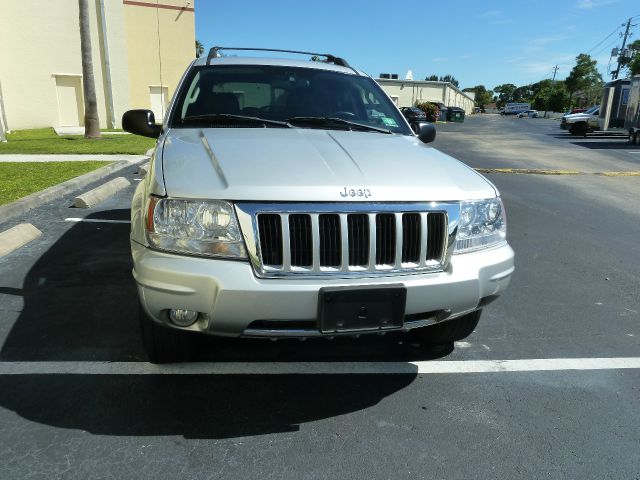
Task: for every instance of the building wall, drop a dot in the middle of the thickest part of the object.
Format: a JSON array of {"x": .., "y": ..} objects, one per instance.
[
  {"x": 41, "y": 66},
  {"x": 160, "y": 40},
  {"x": 407, "y": 92},
  {"x": 40, "y": 42}
]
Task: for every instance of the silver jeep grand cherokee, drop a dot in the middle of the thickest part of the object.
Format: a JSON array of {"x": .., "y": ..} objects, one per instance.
[{"x": 291, "y": 198}]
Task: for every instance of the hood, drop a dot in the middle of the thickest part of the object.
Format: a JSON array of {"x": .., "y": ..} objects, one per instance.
[
  {"x": 272, "y": 164},
  {"x": 577, "y": 116}
]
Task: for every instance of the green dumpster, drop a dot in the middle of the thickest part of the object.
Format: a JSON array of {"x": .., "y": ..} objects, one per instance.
[{"x": 455, "y": 114}]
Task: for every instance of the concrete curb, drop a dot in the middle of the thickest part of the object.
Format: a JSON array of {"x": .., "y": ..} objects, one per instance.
[
  {"x": 34, "y": 200},
  {"x": 16, "y": 237},
  {"x": 99, "y": 194},
  {"x": 143, "y": 169}
]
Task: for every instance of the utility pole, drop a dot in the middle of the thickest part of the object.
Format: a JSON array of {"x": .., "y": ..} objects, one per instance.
[
  {"x": 553, "y": 82},
  {"x": 614, "y": 74}
]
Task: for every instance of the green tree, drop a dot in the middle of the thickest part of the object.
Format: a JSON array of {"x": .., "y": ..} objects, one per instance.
[
  {"x": 199, "y": 48},
  {"x": 505, "y": 94},
  {"x": 549, "y": 95},
  {"x": 451, "y": 79},
  {"x": 483, "y": 96},
  {"x": 633, "y": 63},
  {"x": 432, "y": 78},
  {"x": 584, "y": 78},
  {"x": 91, "y": 121}
]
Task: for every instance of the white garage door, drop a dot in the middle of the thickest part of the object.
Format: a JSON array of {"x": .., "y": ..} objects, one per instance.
[
  {"x": 158, "y": 102},
  {"x": 70, "y": 103}
]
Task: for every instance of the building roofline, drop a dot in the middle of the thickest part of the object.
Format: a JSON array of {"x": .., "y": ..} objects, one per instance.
[{"x": 389, "y": 81}]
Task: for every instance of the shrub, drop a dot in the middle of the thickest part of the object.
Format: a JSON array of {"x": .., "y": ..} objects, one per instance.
[{"x": 431, "y": 109}]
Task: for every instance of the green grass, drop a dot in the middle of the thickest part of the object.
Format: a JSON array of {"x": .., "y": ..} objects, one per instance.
[
  {"x": 19, "y": 179},
  {"x": 45, "y": 140}
]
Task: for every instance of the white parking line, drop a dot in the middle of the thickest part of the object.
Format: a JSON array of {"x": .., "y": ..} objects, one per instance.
[
  {"x": 318, "y": 368},
  {"x": 95, "y": 220}
]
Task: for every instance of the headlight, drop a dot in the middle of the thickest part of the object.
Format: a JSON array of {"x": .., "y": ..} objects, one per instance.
[
  {"x": 483, "y": 224},
  {"x": 194, "y": 227}
]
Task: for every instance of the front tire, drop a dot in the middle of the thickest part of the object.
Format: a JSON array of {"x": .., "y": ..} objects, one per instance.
[
  {"x": 578, "y": 129},
  {"x": 164, "y": 344},
  {"x": 447, "y": 331}
]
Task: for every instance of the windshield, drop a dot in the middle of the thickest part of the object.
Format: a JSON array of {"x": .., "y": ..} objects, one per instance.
[
  {"x": 284, "y": 93},
  {"x": 592, "y": 110}
]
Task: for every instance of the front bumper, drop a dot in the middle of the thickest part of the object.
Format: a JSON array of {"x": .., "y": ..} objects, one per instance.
[{"x": 234, "y": 302}]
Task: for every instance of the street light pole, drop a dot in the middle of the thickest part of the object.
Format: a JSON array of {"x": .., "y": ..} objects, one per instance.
[
  {"x": 553, "y": 82},
  {"x": 614, "y": 74}
]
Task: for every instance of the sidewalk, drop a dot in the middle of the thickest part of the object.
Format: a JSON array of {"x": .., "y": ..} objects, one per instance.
[{"x": 15, "y": 157}]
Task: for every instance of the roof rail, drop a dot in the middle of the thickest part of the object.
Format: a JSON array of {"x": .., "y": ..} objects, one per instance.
[{"x": 214, "y": 53}]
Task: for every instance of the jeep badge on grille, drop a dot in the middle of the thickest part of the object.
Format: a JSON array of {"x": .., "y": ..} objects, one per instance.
[{"x": 355, "y": 192}]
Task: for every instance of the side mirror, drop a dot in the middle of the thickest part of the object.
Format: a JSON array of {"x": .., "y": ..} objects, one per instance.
[
  {"x": 426, "y": 132},
  {"x": 141, "y": 122}
]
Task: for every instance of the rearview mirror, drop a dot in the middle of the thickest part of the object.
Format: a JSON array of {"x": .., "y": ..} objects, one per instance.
[
  {"x": 426, "y": 132},
  {"x": 141, "y": 122}
]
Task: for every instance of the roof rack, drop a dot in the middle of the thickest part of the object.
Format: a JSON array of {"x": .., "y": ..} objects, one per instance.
[{"x": 214, "y": 53}]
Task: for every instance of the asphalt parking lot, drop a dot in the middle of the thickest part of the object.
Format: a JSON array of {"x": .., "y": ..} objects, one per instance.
[{"x": 78, "y": 400}]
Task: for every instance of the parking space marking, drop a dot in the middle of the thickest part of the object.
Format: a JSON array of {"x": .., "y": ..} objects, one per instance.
[
  {"x": 319, "y": 368},
  {"x": 94, "y": 220}
]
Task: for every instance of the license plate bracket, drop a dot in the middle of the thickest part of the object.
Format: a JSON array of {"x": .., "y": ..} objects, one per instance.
[{"x": 361, "y": 308}]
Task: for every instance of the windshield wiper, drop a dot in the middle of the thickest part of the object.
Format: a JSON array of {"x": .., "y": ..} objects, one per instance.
[
  {"x": 228, "y": 117},
  {"x": 333, "y": 121}
]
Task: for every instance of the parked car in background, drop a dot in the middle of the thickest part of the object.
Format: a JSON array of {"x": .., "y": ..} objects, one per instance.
[
  {"x": 563, "y": 121},
  {"x": 580, "y": 124},
  {"x": 528, "y": 114},
  {"x": 413, "y": 114}
]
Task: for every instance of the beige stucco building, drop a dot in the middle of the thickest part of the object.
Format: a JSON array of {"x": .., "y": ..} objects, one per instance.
[
  {"x": 405, "y": 93},
  {"x": 139, "y": 49}
]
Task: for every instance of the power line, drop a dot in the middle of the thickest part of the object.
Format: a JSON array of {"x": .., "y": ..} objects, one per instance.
[
  {"x": 605, "y": 48},
  {"x": 614, "y": 74},
  {"x": 605, "y": 38}
]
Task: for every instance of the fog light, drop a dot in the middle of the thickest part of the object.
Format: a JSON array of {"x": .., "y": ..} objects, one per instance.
[{"x": 183, "y": 318}]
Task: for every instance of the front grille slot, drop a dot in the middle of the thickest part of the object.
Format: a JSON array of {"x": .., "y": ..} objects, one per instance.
[
  {"x": 358, "y": 231},
  {"x": 385, "y": 239},
  {"x": 330, "y": 240},
  {"x": 270, "y": 228},
  {"x": 324, "y": 241},
  {"x": 411, "y": 238},
  {"x": 301, "y": 243},
  {"x": 436, "y": 236}
]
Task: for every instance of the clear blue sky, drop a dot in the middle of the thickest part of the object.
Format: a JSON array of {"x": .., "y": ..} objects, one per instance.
[{"x": 479, "y": 42}]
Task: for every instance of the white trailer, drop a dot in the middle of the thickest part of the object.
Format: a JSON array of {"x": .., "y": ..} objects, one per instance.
[
  {"x": 613, "y": 107},
  {"x": 515, "y": 108},
  {"x": 632, "y": 120}
]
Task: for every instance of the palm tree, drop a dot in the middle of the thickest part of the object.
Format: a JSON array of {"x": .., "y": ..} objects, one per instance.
[
  {"x": 199, "y": 48},
  {"x": 91, "y": 121}
]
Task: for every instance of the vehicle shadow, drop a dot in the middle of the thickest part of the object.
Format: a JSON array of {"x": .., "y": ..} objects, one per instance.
[
  {"x": 193, "y": 406},
  {"x": 620, "y": 144},
  {"x": 80, "y": 304}
]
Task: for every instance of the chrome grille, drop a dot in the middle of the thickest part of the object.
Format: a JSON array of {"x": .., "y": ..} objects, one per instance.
[{"x": 348, "y": 239}]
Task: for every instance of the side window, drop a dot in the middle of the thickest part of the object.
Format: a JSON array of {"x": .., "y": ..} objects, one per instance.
[{"x": 625, "y": 97}]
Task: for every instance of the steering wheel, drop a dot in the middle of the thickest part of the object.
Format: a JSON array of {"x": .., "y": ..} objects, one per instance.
[{"x": 341, "y": 114}]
